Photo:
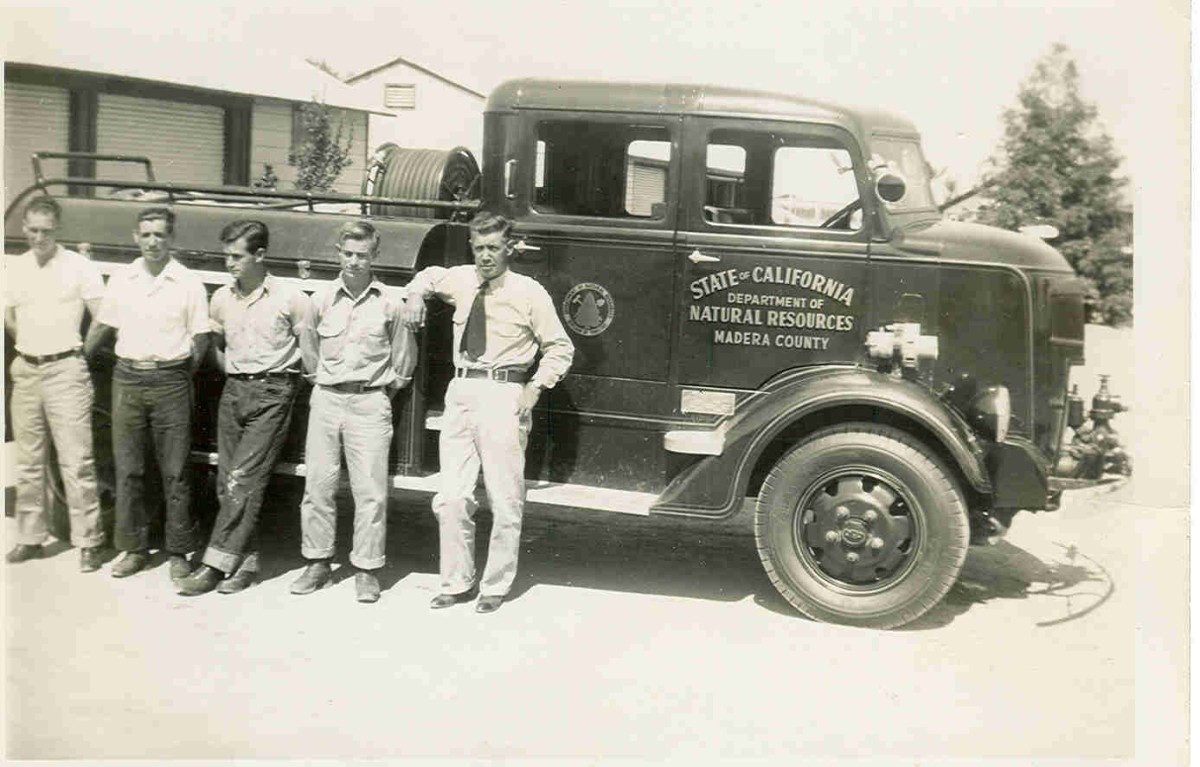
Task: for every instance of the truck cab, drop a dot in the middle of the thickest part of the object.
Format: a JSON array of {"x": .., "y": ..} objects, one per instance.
[{"x": 757, "y": 282}]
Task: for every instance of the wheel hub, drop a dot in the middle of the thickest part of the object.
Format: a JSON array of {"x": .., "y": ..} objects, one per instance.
[
  {"x": 854, "y": 533},
  {"x": 857, "y": 529}
]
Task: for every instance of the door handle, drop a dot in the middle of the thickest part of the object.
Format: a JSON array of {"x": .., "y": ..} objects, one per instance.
[
  {"x": 520, "y": 246},
  {"x": 696, "y": 257}
]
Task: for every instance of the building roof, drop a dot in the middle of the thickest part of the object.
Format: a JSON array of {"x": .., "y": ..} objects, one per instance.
[
  {"x": 380, "y": 68},
  {"x": 222, "y": 69},
  {"x": 674, "y": 98}
]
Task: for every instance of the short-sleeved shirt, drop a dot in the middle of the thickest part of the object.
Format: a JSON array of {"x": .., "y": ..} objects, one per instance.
[
  {"x": 49, "y": 299},
  {"x": 521, "y": 320},
  {"x": 360, "y": 340},
  {"x": 156, "y": 316},
  {"x": 261, "y": 329}
]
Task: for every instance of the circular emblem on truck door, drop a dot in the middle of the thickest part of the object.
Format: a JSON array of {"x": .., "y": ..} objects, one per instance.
[{"x": 588, "y": 309}]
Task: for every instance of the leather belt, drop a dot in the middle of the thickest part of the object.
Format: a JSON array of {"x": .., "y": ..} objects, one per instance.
[
  {"x": 500, "y": 375},
  {"x": 154, "y": 364},
  {"x": 285, "y": 375},
  {"x": 42, "y": 360},
  {"x": 350, "y": 387}
]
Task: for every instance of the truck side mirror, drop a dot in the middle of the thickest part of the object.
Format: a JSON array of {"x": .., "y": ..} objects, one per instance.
[{"x": 890, "y": 186}]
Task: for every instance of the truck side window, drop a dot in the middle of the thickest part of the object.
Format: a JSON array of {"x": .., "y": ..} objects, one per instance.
[
  {"x": 607, "y": 170},
  {"x": 764, "y": 179}
]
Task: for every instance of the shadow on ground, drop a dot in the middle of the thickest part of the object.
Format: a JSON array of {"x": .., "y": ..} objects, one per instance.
[
  {"x": 1077, "y": 583},
  {"x": 660, "y": 556}
]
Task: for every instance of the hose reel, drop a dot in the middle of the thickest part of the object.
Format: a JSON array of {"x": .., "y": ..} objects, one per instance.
[{"x": 421, "y": 174}]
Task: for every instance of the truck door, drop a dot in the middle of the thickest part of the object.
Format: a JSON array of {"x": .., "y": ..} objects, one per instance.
[
  {"x": 595, "y": 219},
  {"x": 772, "y": 250}
]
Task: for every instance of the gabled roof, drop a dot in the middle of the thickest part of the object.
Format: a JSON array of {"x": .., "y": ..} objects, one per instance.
[{"x": 354, "y": 79}]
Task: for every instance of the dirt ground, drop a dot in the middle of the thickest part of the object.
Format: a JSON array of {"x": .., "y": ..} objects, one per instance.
[{"x": 626, "y": 637}]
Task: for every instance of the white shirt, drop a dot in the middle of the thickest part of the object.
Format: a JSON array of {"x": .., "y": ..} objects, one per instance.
[
  {"x": 521, "y": 320},
  {"x": 49, "y": 300},
  {"x": 155, "y": 316}
]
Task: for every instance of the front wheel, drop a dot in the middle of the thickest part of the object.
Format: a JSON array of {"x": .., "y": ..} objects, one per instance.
[{"x": 861, "y": 524}]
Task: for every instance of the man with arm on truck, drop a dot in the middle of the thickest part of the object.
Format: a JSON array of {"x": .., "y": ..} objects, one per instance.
[{"x": 502, "y": 322}]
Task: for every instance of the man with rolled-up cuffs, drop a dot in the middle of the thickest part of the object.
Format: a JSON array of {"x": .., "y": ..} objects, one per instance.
[
  {"x": 503, "y": 323},
  {"x": 256, "y": 324},
  {"x": 158, "y": 310},
  {"x": 364, "y": 353}
]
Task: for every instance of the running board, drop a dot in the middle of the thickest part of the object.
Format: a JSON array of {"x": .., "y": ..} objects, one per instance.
[
  {"x": 683, "y": 441},
  {"x": 536, "y": 491}
]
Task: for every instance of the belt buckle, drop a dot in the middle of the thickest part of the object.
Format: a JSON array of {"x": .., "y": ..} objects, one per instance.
[{"x": 500, "y": 375}]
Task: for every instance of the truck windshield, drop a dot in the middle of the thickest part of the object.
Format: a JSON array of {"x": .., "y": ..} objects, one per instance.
[{"x": 904, "y": 156}]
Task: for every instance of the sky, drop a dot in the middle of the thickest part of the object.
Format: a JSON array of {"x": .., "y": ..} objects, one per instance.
[{"x": 950, "y": 67}]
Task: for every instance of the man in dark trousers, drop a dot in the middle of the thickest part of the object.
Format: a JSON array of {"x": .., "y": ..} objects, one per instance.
[
  {"x": 364, "y": 353},
  {"x": 256, "y": 324},
  {"x": 158, "y": 309},
  {"x": 502, "y": 322}
]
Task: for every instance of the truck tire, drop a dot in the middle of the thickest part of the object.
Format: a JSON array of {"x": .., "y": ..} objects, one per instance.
[{"x": 862, "y": 525}]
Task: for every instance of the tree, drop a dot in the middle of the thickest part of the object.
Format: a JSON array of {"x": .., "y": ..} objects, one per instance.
[
  {"x": 1056, "y": 164},
  {"x": 322, "y": 155}
]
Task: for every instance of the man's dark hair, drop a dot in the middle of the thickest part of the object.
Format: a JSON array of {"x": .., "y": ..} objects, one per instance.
[
  {"x": 486, "y": 222},
  {"x": 44, "y": 204},
  {"x": 158, "y": 214},
  {"x": 361, "y": 231},
  {"x": 256, "y": 234}
]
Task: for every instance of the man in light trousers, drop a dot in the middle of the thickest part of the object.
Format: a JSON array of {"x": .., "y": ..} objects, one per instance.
[
  {"x": 48, "y": 288},
  {"x": 364, "y": 353},
  {"x": 503, "y": 321}
]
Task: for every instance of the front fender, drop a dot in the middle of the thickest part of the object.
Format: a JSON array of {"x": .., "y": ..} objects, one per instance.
[{"x": 716, "y": 485}]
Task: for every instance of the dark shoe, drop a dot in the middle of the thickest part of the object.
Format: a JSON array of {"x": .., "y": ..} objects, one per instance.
[
  {"x": 130, "y": 564},
  {"x": 90, "y": 559},
  {"x": 180, "y": 567},
  {"x": 488, "y": 604},
  {"x": 315, "y": 576},
  {"x": 239, "y": 581},
  {"x": 23, "y": 552},
  {"x": 202, "y": 581},
  {"x": 442, "y": 601},
  {"x": 367, "y": 587}
]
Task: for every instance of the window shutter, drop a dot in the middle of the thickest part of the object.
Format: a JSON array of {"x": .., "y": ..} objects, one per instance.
[{"x": 399, "y": 96}]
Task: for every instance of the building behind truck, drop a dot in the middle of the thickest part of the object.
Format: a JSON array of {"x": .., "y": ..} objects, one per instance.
[{"x": 197, "y": 124}]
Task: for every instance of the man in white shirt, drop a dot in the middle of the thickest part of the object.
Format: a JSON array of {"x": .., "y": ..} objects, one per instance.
[
  {"x": 503, "y": 321},
  {"x": 48, "y": 288},
  {"x": 158, "y": 310}
]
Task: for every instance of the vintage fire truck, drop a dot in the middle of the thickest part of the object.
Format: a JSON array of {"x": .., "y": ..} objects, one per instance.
[{"x": 767, "y": 305}]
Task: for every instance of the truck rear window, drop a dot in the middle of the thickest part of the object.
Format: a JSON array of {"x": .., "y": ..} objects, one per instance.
[{"x": 606, "y": 170}]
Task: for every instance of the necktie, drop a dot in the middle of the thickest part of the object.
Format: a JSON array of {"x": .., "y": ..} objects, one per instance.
[{"x": 474, "y": 337}]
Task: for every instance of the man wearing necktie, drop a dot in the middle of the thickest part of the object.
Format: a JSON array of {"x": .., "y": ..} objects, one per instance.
[{"x": 503, "y": 321}]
